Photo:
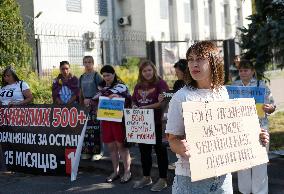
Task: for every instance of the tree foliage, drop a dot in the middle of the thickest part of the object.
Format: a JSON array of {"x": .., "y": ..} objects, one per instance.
[
  {"x": 14, "y": 48},
  {"x": 263, "y": 40}
]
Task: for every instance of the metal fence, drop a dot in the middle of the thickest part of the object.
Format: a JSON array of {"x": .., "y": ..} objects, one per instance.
[{"x": 53, "y": 43}]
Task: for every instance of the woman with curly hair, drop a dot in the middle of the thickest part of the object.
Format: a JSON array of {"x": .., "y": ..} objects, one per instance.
[{"x": 204, "y": 79}]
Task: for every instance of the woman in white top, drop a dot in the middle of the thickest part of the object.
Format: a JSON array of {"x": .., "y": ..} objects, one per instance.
[
  {"x": 13, "y": 90},
  {"x": 204, "y": 79}
]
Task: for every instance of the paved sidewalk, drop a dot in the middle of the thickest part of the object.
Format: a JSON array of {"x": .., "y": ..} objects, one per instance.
[
  {"x": 275, "y": 169},
  {"x": 276, "y": 86}
]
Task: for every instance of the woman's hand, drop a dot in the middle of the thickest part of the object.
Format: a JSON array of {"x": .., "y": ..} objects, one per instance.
[
  {"x": 264, "y": 137},
  {"x": 10, "y": 104},
  {"x": 59, "y": 101},
  {"x": 113, "y": 96},
  {"x": 179, "y": 145},
  {"x": 269, "y": 108},
  {"x": 184, "y": 147},
  {"x": 161, "y": 97},
  {"x": 87, "y": 102}
]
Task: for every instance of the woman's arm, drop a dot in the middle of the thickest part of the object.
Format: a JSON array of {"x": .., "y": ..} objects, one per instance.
[
  {"x": 28, "y": 97},
  {"x": 72, "y": 99},
  {"x": 179, "y": 145},
  {"x": 81, "y": 98}
]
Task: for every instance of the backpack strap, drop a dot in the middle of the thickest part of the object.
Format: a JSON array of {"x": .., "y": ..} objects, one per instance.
[
  {"x": 21, "y": 85},
  {"x": 80, "y": 80},
  {"x": 95, "y": 78}
]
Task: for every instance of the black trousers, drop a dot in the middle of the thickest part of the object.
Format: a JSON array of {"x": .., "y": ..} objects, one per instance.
[{"x": 161, "y": 152}]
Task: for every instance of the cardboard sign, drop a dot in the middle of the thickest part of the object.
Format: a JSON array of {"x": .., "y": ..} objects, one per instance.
[
  {"x": 42, "y": 139},
  {"x": 140, "y": 126},
  {"x": 223, "y": 137},
  {"x": 110, "y": 109},
  {"x": 258, "y": 93}
]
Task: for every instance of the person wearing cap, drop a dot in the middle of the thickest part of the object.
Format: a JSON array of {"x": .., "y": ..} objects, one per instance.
[
  {"x": 254, "y": 180},
  {"x": 14, "y": 91},
  {"x": 65, "y": 88}
]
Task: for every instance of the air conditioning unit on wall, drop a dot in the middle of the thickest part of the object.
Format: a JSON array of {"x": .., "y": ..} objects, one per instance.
[
  {"x": 90, "y": 35},
  {"x": 125, "y": 20},
  {"x": 90, "y": 44}
]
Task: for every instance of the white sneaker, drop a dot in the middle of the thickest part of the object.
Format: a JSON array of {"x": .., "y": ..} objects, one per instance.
[{"x": 96, "y": 157}]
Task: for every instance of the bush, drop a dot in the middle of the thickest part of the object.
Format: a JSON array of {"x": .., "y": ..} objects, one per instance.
[{"x": 14, "y": 47}]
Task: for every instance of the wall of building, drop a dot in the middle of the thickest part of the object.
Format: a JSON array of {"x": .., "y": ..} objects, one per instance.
[{"x": 61, "y": 34}]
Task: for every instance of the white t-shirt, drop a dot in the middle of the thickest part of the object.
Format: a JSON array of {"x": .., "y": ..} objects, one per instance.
[
  {"x": 13, "y": 93},
  {"x": 175, "y": 122}
]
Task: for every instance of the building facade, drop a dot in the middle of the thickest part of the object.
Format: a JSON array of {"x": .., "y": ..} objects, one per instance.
[{"x": 112, "y": 30}]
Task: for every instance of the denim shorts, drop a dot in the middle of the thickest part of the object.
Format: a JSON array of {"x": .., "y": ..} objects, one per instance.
[{"x": 218, "y": 185}]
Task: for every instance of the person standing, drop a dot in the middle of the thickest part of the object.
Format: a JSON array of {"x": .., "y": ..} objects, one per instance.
[
  {"x": 89, "y": 81},
  {"x": 204, "y": 82},
  {"x": 113, "y": 133},
  {"x": 180, "y": 69},
  {"x": 88, "y": 84},
  {"x": 14, "y": 91},
  {"x": 65, "y": 88},
  {"x": 145, "y": 96},
  {"x": 255, "y": 179}
]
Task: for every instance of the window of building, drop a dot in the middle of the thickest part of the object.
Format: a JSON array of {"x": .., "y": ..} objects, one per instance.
[
  {"x": 226, "y": 11},
  {"x": 164, "y": 9},
  {"x": 210, "y": 7},
  {"x": 101, "y": 7},
  {"x": 192, "y": 5},
  {"x": 238, "y": 16},
  {"x": 74, "y": 5},
  {"x": 186, "y": 8},
  {"x": 206, "y": 13}
]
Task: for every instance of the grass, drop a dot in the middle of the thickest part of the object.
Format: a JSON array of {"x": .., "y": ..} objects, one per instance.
[
  {"x": 275, "y": 74},
  {"x": 276, "y": 129}
]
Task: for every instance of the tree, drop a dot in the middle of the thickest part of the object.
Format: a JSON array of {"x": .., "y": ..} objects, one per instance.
[
  {"x": 263, "y": 40},
  {"x": 14, "y": 48}
]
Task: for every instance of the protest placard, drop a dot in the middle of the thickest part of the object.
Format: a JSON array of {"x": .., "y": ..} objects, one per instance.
[
  {"x": 223, "y": 137},
  {"x": 42, "y": 139},
  {"x": 110, "y": 109},
  {"x": 140, "y": 126},
  {"x": 258, "y": 93}
]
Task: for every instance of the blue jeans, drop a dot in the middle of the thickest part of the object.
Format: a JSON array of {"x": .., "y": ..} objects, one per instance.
[{"x": 219, "y": 185}]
